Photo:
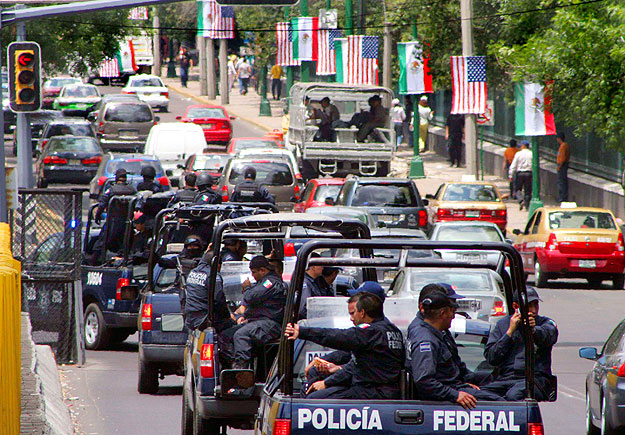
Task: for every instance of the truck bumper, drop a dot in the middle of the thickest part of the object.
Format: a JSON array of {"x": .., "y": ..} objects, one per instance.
[
  {"x": 167, "y": 353},
  {"x": 211, "y": 407},
  {"x": 120, "y": 320}
]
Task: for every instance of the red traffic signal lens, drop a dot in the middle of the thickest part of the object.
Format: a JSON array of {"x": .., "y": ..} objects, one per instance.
[
  {"x": 26, "y": 59},
  {"x": 27, "y": 95},
  {"x": 26, "y": 77}
]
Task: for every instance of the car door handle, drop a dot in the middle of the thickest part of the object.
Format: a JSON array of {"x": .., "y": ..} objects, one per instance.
[{"x": 409, "y": 416}]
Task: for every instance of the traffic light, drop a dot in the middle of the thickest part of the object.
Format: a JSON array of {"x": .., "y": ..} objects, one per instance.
[{"x": 24, "y": 76}]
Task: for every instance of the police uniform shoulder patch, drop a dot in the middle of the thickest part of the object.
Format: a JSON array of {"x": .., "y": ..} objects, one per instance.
[
  {"x": 267, "y": 284},
  {"x": 426, "y": 346},
  {"x": 364, "y": 325}
]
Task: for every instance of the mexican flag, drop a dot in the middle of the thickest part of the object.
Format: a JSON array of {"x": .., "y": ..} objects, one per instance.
[
  {"x": 305, "y": 46},
  {"x": 204, "y": 18},
  {"x": 126, "y": 57},
  {"x": 533, "y": 110},
  {"x": 415, "y": 77},
  {"x": 340, "y": 50}
]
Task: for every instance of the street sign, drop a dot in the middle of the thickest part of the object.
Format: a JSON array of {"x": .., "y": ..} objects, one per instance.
[
  {"x": 257, "y": 2},
  {"x": 487, "y": 119},
  {"x": 24, "y": 59},
  {"x": 328, "y": 18}
]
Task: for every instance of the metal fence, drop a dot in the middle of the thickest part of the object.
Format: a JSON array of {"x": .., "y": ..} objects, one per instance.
[
  {"x": 46, "y": 237},
  {"x": 589, "y": 153}
]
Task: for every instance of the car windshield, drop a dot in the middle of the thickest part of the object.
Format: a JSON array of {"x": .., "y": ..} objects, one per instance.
[
  {"x": 327, "y": 191},
  {"x": 128, "y": 113},
  {"x": 467, "y": 233},
  {"x": 206, "y": 112},
  {"x": 59, "y": 83},
  {"x": 71, "y": 144},
  {"x": 133, "y": 166},
  {"x": 383, "y": 195},
  {"x": 253, "y": 143},
  {"x": 470, "y": 192},
  {"x": 73, "y": 129},
  {"x": 581, "y": 219},
  {"x": 140, "y": 83},
  {"x": 267, "y": 173},
  {"x": 80, "y": 92},
  {"x": 474, "y": 282},
  {"x": 210, "y": 162}
]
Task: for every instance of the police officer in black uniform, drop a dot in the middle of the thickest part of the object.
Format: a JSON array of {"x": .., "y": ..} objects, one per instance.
[
  {"x": 112, "y": 238},
  {"x": 505, "y": 351},
  {"x": 437, "y": 370},
  {"x": 187, "y": 260},
  {"x": 149, "y": 174},
  {"x": 205, "y": 194},
  {"x": 261, "y": 320},
  {"x": 141, "y": 241},
  {"x": 233, "y": 250},
  {"x": 377, "y": 349},
  {"x": 326, "y": 280},
  {"x": 188, "y": 193},
  {"x": 249, "y": 190},
  {"x": 310, "y": 287}
]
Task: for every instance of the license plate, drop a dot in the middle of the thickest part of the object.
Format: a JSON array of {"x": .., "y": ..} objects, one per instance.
[
  {"x": 385, "y": 217},
  {"x": 127, "y": 133},
  {"x": 469, "y": 304},
  {"x": 470, "y": 257},
  {"x": 75, "y": 161},
  {"x": 208, "y": 126},
  {"x": 172, "y": 323},
  {"x": 472, "y": 213},
  {"x": 587, "y": 263}
]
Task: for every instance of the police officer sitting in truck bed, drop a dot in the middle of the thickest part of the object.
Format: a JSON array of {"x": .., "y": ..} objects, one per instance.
[
  {"x": 377, "y": 348},
  {"x": 233, "y": 250},
  {"x": 205, "y": 194},
  {"x": 187, "y": 194},
  {"x": 249, "y": 190},
  {"x": 437, "y": 370}
]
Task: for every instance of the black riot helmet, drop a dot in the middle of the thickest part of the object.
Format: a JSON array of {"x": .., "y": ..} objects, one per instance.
[
  {"x": 193, "y": 246},
  {"x": 249, "y": 173},
  {"x": 204, "y": 180},
  {"x": 148, "y": 172}
]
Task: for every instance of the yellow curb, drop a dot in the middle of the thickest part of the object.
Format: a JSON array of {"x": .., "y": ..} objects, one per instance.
[{"x": 205, "y": 100}]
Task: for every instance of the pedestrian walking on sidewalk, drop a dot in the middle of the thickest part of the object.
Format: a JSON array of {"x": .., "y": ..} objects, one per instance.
[
  {"x": 276, "y": 81},
  {"x": 185, "y": 63},
  {"x": 244, "y": 72},
  {"x": 232, "y": 71},
  {"x": 454, "y": 133},
  {"x": 508, "y": 156},
  {"x": 564, "y": 155},
  {"x": 521, "y": 171},
  {"x": 398, "y": 116},
  {"x": 425, "y": 116}
]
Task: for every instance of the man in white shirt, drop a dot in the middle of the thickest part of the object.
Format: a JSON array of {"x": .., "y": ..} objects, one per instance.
[{"x": 521, "y": 172}]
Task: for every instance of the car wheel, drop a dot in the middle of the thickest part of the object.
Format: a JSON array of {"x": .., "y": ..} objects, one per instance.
[
  {"x": 618, "y": 282},
  {"x": 187, "y": 415},
  {"x": 540, "y": 278},
  {"x": 96, "y": 332},
  {"x": 594, "y": 283},
  {"x": 591, "y": 429},
  {"x": 606, "y": 428},
  {"x": 148, "y": 378},
  {"x": 203, "y": 426}
]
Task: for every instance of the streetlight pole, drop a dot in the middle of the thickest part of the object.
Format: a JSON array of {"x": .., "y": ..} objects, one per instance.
[
  {"x": 416, "y": 162},
  {"x": 535, "y": 202},
  {"x": 305, "y": 67},
  {"x": 349, "y": 17},
  {"x": 470, "y": 121}
]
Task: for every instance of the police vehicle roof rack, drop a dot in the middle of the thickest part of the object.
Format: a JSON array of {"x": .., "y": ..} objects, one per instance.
[{"x": 285, "y": 355}]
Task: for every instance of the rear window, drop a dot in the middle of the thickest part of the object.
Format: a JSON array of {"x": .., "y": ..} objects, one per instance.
[
  {"x": 80, "y": 92},
  {"x": 59, "y": 83},
  {"x": 140, "y": 83},
  {"x": 73, "y": 129},
  {"x": 581, "y": 219},
  {"x": 269, "y": 174},
  {"x": 467, "y": 233},
  {"x": 206, "y": 112},
  {"x": 128, "y": 113},
  {"x": 133, "y": 166},
  {"x": 475, "y": 281},
  {"x": 78, "y": 144},
  {"x": 209, "y": 162},
  {"x": 254, "y": 143},
  {"x": 470, "y": 192},
  {"x": 327, "y": 191},
  {"x": 383, "y": 195}
]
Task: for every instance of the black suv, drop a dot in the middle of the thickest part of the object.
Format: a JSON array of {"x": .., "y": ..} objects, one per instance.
[
  {"x": 63, "y": 127},
  {"x": 395, "y": 202}
]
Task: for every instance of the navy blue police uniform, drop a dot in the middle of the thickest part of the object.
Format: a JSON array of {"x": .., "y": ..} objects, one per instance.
[
  {"x": 150, "y": 185},
  {"x": 377, "y": 350},
  {"x": 207, "y": 197},
  {"x": 507, "y": 355},
  {"x": 186, "y": 196},
  {"x": 194, "y": 299},
  {"x": 310, "y": 288},
  {"x": 249, "y": 191},
  {"x": 227, "y": 254}
]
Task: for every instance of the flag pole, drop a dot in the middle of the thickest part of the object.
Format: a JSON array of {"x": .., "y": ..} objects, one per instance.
[
  {"x": 535, "y": 202},
  {"x": 416, "y": 162},
  {"x": 305, "y": 67},
  {"x": 289, "y": 69}
]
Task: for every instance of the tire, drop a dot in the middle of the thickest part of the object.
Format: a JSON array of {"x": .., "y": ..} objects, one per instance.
[
  {"x": 202, "y": 426},
  {"x": 148, "y": 378},
  {"x": 187, "y": 415},
  {"x": 164, "y": 109},
  {"x": 97, "y": 334},
  {"x": 540, "y": 278},
  {"x": 594, "y": 283},
  {"x": 618, "y": 282},
  {"x": 606, "y": 428},
  {"x": 591, "y": 429}
]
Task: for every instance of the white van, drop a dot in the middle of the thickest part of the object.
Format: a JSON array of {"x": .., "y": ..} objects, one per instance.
[{"x": 172, "y": 143}]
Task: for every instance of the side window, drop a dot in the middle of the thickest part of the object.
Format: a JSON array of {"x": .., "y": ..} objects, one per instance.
[
  {"x": 342, "y": 198},
  {"x": 529, "y": 225},
  {"x": 307, "y": 192},
  {"x": 537, "y": 222},
  {"x": 189, "y": 162},
  {"x": 612, "y": 343},
  {"x": 439, "y": 192},
  {"x": 398, "y": 283}
]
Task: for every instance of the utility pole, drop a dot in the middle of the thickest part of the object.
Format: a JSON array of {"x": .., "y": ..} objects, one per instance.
[
  {"x": 224, "y": 81},
  {"x": 23, "y": 135},
  {"x": 386, "y": 61},
  {"x": 211, "y": 78},
  {"x": 535, "y": 202},
  {"x": 201, "y": 52},
  {"x": 156, "y": 44},
  {"x": 349, "y": 18},
  {"x": 305, "y": 67},
  {"x": 361, "y": 16},
  {"x": 416, "y": 162},
  {"x": 470, "y": 121}
]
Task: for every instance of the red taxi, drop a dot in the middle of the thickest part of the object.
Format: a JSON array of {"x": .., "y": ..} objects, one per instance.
[
  {"x": 214, "y": 120},
  {"x": 572, "y": 242},
  {"x": 317, "y": 191}
]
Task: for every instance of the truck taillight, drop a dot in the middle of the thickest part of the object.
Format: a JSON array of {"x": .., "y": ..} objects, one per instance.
[
  {"x": 146, "y": 317},
  {"x": 289, "y": 250},
  {"x": 54, "y": 160},
  {"x": 535, "y": 429},
  {"x": 207, "y": 369},
  {"x": 101, "y": 127},
  {"x": 121, "y": 282},
  {"x": 552, "y": 243},
  {"x": 282, "y": 426},
  {"x": 498, "y": 309},
  {"x": 423, "y": 218},
  {"x": 621, "y": 371},
  {"x": 129, "y": 92},
  {"x": 95, "y": 160},
  {"x": 620, "y": 246},
  {"x": 224, "y": 193},
  {"x": 501, "y": 213}
]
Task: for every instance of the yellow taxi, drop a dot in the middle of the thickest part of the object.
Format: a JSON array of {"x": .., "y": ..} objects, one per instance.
[
  {"x": 468, "y": 201},
  {"x": 572, "y": 242}
]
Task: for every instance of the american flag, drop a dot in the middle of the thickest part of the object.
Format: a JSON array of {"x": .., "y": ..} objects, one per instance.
[
  {"x": 138, "y": 13},
  {"x": 217, "y": 21},
  {"x": 468, "y": 76},
  {"x": 362, "y": 63},
  {"x": 326, "y": 60},
  {"x": 284, "y": 43},
  {"x": 109, "y": 68}
]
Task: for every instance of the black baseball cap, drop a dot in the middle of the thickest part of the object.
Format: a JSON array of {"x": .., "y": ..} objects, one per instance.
[
  {"x": 442, "y": 287},
  {"x": 437, "y": 299},
  {"x": 260, "y": 261},
  {"x": 121, "y": 173},
  {"x": 532, "y": 295}
]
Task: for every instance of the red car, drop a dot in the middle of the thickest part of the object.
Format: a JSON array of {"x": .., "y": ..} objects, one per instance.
[
  {"x": 317, "y": 191},
  {"x": 242, "y": 143},
  {"x": 52, "y": 88},
  {"x": 214, "y": 120}
]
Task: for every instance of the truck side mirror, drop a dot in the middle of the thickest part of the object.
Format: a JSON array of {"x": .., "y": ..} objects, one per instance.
[
  {"x": 429, "y": 196},
  {"x": 237, "y": 383}
]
